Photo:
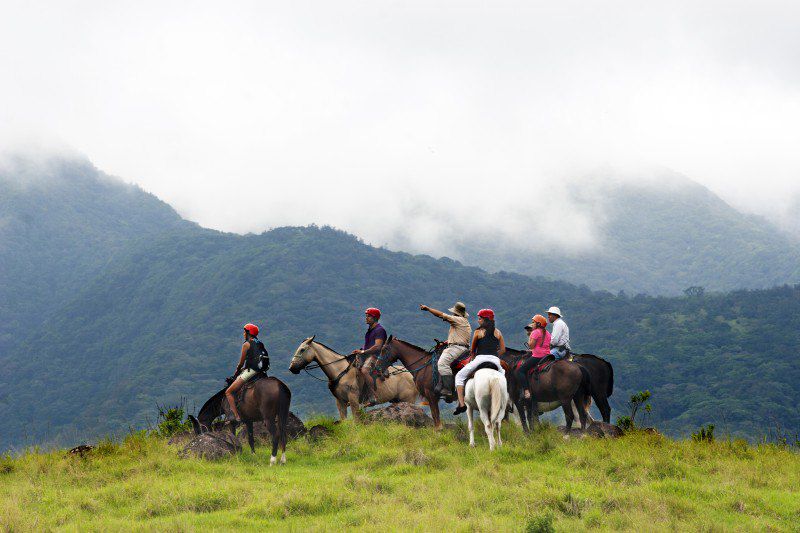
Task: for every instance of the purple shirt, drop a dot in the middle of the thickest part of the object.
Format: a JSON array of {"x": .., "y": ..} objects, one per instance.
[{"x": 374, "y": 333}]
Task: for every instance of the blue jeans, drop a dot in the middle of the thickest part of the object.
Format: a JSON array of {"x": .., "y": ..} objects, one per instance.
[{"x": 558, "y": 353}]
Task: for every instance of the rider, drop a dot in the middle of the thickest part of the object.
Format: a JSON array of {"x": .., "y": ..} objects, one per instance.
[
  {"x": 539, "y": 344},
  {"x": 457, "y": 344},
  {"x": 487, "y": 347},
  {"x": 252, "y": 350},
  {"x": 559, "y": 341},
  {"x": 373, "y": 340}
]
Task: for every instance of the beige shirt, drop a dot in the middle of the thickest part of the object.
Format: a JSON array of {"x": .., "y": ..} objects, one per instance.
[{"x": 460, "y": 330}]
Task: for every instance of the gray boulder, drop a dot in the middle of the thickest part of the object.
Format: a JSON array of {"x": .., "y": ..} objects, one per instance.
[
  {"x": 294, "y": 429},
  {"x": 403, "y": 413},
  {"x": 212, "y": 445}
]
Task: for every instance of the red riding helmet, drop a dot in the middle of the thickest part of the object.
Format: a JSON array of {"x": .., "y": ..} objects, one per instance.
[
  {"x": 252, "y": 329},
  {"x": 486, "y": 313},
  {"x": 373, "y": 311}
]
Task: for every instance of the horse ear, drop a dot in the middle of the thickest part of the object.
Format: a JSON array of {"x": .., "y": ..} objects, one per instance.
[
  {"x": 389, "y": 339},
  {"x": 311, "y": 339}
]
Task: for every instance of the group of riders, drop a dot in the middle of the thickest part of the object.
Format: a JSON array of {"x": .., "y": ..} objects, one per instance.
[{"x": 484, "y": 346}]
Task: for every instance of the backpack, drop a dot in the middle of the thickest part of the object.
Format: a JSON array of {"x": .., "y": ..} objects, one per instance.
[{"x": 258, "y": 357}]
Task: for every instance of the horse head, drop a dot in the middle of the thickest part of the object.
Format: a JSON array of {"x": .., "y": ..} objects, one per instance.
[
  {"x": 303, "y": 355},
  {"x": 439, "y": 346},
  {"x": 386, "y": 356}
]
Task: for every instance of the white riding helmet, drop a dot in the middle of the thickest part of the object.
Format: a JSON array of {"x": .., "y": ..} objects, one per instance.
[{"x": 554, "y": 310}]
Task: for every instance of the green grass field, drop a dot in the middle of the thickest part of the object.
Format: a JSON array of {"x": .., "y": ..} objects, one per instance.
[{"x": 389, "y": 477}]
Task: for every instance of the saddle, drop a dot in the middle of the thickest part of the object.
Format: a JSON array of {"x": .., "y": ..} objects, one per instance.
[
  {"x": 460, "y": 362},
  {"x": 543, "y": 366},
  {"x": 249, "y": 385},
  {"x": 485, "y": 364}
]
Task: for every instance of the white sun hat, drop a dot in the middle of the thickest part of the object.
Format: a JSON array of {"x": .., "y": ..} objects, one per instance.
[{"x": 555, "y": 311}]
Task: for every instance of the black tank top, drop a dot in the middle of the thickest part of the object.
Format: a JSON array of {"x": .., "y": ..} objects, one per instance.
[
  {"x": 251, "y": 360},
  {"x": 488, "y": 344}
]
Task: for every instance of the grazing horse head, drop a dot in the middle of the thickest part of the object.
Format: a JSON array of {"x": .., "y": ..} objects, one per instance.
[{"x": 302, "y": 356}]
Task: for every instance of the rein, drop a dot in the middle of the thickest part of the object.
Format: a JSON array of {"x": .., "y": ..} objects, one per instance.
[{"x": 413, "y": 371}]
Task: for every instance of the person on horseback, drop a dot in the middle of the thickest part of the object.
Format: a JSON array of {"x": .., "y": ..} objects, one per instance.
[
  {"x": 559, "y": 340},
  {"x": 487, "y": 347},
  {"x": 457, "y": 344},
  {"x": 373, "y": 340},
  {"x": 254, "y": 359},
  {"x": 539, "y": 344}
]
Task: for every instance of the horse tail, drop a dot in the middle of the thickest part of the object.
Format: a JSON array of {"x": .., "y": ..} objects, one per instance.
[
  {"x": 586, "y": 382},
  {"x": 496, "y": 391},
  {"x": 284, "y": 402},
  {"x": 610, "y": 387}
]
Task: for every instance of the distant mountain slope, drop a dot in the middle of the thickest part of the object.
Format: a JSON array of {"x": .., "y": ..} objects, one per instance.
[
  {"x": 61, "y": 221},
  {"x": 659, "y": 237},
  {"x": 165, "y": 322}
]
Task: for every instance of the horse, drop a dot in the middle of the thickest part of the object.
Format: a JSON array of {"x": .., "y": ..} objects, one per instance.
[
  {"x": 419, "y": 363},
  {"x": 601, "y": 378},
  {"x": 267, "y": 399},
  {"x": 487, "y": 392},
  {"x": 565, "y": 384},
  {"x": 344, "y": 379}
]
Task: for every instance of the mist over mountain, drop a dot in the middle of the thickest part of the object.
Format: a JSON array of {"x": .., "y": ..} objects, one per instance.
[
  {"x": 61, "y": 221},
  {"x": 658, "y": 234},
  {"x": 115, "y": 303}
]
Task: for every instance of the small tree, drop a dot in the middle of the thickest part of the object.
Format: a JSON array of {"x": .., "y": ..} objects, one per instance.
[
  {"x": 704, "y": 434},
  {"x": 172, "y": 420},
  {"x": 637, "y": 403}
]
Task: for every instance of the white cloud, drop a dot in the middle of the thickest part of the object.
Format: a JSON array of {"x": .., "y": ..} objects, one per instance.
[{"x": 408, "y": 123}]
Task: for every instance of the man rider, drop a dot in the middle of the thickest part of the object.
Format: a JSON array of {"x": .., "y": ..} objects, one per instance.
[
  {"x": 373, "y": 340},
  {"x": 559, "y": 340},
  {"x": 458, "y": 339},
  {"x": 254, "y": 359}
]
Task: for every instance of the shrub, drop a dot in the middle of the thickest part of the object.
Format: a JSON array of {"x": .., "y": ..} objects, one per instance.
[
  {"x": 540, "y": 524},
  {"x": 172, "y": 420},
  {"x": 638, "y": 402},
  {"x": 704, "y": 434}
]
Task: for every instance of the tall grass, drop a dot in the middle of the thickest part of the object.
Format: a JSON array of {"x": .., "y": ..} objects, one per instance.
[{"x": 389, "y": 477}]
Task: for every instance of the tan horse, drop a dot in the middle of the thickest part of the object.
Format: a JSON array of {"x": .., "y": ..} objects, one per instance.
[{"x": 344, "y": 380}]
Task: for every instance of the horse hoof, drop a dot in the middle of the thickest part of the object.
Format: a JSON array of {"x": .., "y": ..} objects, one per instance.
[
  {"x": 283, "y": 459},
  {"x": 273, "y": 460},
  {"x": 471, "y": 444}
]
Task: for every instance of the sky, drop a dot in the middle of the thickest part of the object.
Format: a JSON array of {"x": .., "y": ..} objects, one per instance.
[{"x": 409, "y": 122}]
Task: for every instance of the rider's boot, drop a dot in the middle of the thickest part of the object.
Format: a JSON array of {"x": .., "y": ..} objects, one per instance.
[{"x": 448, "y": 384}]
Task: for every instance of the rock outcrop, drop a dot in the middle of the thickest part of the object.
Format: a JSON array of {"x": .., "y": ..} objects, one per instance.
[
  {"x": 212, "y": 445},
  {"x": 402, "y": 412}
]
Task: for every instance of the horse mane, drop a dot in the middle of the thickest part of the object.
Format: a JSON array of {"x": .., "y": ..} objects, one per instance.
[
  {"x": 414, "y": 346},
  {"x": 594, "y": 357},
  {"x": 326, "y": 346}
]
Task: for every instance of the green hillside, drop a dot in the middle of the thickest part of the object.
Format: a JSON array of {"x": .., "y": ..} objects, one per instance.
[
  {"x": 61, "y": 222},
  {"x": 658, "y": 238},
  {"x": 393, "y": 478},
  {"x": 165, "y": 322}
]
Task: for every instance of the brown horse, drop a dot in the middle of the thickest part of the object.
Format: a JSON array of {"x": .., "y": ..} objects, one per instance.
[
  {"x": 345, "y": 381},
  {"x": 419, "y": 363},
  {"x": 564, "y": 384},
  {"x": 267, "y": 399}
]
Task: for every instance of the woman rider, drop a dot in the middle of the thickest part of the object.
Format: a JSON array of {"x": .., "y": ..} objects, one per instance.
[
  {"x": 248, "y": 360},
  {"x": 539, "y": 343},
  {"x": 487, "y": 345}
]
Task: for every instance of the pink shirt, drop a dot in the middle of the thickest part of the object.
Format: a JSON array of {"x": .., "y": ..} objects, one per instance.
[{"x": 540, "y": 349}]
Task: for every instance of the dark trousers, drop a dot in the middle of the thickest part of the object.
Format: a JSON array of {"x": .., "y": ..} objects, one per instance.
[{"x": 522, "y": 372}]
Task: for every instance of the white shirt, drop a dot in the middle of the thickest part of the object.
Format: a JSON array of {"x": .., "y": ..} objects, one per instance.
[{"x": 560, "y": 335}]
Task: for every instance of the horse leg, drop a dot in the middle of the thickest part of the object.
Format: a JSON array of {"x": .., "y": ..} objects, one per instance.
[
  {"x": 342, "y": 407},
  {"x": 273, "y": 431},
  {"x": 249, "y": 426},
  {"x": 470, "y": 426},
  {"x": 523, "y": 420},
  {"x": 604, "y": 408},
  {"x": 355, "y": 405},
  {"x": 568, "y": 416},
  {"x": 433, "y": 404}
]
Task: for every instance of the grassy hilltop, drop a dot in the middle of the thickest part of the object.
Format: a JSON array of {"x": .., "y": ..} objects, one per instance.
[{"x": 389, "y": 477}]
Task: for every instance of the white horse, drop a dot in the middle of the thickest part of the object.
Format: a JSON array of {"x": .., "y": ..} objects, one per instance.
[{"x": 488, "y": 393}]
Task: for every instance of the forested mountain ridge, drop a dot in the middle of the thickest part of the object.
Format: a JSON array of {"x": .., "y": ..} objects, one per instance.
[
  {"x": 165, "y": 322},
  {"x": 61, "y": 221},
  {"x": 658, "y": 236},
  {"x": 112, "y": 303}
]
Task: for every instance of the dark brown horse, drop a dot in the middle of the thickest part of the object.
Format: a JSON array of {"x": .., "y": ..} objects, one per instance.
[
  {"x": 601, "y": 380},
  {"x": 267, "y": 399},
  {"x": 419, "y": 362},
  {"x": 563, "y": 384}
]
